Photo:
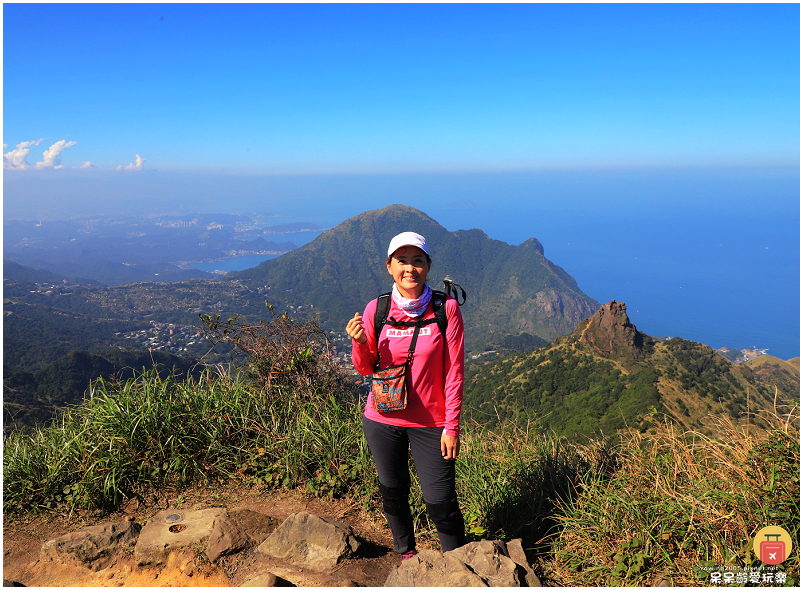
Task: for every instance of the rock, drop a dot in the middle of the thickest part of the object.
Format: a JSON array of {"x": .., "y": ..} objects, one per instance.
[
  {"x": 517, "y": 554},
  {"x": 236, "y": 530},
  {"x": 305, "y": 539},
  {"x": 480, "y": 563},
  {"x": 489, "y": 559},
  {"x": 266, "y": 580},
  {"x": 94, "y": 547},
  {"x": 171, "y": 530},
  {"x": 431, "y": 568},
  {"x": 612, "y": 334}
]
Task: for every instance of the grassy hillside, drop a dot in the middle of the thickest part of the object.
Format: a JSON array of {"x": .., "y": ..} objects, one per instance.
[
  {"x": 665, "y": 506},
  {"x": 785, "y": 375},
  {"x": 607, "y": 376}
]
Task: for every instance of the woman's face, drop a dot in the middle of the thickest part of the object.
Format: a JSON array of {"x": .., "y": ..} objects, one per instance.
[{"x": 409, "y": 267}]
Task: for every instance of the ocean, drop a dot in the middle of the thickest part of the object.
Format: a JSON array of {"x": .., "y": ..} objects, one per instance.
[
  {"x": 253, "y": 260},
  {"x": 707, "y": 255}
]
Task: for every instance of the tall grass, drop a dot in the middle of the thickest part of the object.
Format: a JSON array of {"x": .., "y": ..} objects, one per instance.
[
  {"x": 670, "y": 505},
  {"x": 680, "y": 505},
  {"x": 151, "y": 433}
]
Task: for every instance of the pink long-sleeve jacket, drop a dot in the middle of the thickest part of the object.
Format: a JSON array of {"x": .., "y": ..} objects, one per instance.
[{"x": 436, "y": 384}]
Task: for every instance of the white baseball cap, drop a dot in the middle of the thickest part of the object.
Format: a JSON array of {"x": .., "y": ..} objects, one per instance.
[{"x": 408, "y": 238}]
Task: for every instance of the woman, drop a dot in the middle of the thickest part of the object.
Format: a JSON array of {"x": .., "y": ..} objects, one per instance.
[{"x": 430, "y": 421}]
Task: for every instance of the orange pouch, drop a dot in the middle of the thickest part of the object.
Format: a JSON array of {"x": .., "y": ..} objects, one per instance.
[{"x": 389, "y": 389}]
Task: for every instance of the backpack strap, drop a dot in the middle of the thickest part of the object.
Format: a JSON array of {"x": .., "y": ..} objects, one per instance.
[
  {"x": 382, "y": 316},
  {"x": 439, "y": 301},
  {"x": 381, "y": 313}
]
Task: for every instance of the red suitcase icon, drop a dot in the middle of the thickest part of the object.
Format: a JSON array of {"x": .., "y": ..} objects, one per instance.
[{"x": 773, "y": 552}]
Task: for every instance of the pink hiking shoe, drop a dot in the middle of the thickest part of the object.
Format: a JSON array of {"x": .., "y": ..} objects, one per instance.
[{"x": 409, "y": 554}]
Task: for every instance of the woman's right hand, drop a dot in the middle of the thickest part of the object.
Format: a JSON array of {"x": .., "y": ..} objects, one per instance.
[{"x": 355, "y": 329}]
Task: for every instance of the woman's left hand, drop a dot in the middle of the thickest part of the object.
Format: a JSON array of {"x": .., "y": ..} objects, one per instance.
[{"x": 449, "y": 446}]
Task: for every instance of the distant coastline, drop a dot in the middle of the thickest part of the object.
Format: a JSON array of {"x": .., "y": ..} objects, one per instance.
[
  {"x": 738, "y": 357},
  {"x": 226, "y": 265}
]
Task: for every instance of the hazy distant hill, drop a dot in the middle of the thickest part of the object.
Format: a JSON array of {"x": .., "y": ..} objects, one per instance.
[
  {"x": 118, "y": 250},
  {"x": 260, "y": 243},
  {"x": 17, "y": 272},
  {"x": 511, "y": 289},
  {"x": 32, "y": 398},
  {"x": 783, "y": 374},
  {"x": 607, "y": 375}
]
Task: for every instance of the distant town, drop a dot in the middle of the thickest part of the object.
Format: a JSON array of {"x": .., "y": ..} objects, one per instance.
[{"x": 741, "y": 356}]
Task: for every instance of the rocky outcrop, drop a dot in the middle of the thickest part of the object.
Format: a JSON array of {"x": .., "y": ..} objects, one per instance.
[
  {"x": 311, "y": 541},
  {"x": 237, "y": 530},
  {"x": 167, "y": 548},
  {"x": 476, "y": 564},
  {"x": 611, "y": 334},
  {"x": 93, "y": 547}
]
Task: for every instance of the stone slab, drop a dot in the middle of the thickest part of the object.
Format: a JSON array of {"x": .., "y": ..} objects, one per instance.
[
  {"x": 94, "y": 547},
  {"x": 173, "y": 530}
]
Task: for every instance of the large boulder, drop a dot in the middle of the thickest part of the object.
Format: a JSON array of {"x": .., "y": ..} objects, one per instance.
[
  {"x": 480, "y": 563},
  {"x": 489, "y": 559},
  {"x": 173, "y": 530},
  {"x": 431, "y": 568},
  {"x": 311, "y": 541},
  {"x": 236, "y": 530},
  {"x": 94, "y": 547}
]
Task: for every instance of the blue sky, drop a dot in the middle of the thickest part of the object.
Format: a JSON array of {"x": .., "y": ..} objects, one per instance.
[
  {"x": 653, "y": 149},
  {"x": 310, "y": 89}
]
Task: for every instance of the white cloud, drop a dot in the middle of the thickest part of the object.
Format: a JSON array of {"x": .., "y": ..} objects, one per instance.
[
  {"x": 51, "y": 158},
  {"x": 139, "y": 165},
  {"x": 86, "y": 165},
  {"x": 16, "y": 159}
]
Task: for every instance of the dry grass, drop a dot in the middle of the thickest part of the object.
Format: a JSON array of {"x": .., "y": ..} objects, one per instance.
[{"x": 680, "y": 504}]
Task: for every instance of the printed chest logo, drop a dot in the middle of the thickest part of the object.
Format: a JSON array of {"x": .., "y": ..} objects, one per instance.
[{"x": 402, "y": 333}]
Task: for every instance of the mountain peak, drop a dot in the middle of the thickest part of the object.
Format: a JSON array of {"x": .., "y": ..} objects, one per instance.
[
  {"x": 512, "y": 289},
  {"x": 610, "y": 334}
]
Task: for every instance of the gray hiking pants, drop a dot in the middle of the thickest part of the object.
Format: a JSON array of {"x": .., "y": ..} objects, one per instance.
[{"x": 389, "y": 446}]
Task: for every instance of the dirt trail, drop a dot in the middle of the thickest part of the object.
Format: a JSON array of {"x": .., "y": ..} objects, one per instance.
[
  {"x": 589, "y": 323},
  {"x": 23, "y": 537}
]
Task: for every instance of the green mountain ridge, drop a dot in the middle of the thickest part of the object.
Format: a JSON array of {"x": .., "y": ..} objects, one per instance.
[
  {"x": 32, "y": 398},
  {"x": 606, "y": 376},
  {"x": 511, "y": 289},
  {"x": 518, "y": 300}
]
